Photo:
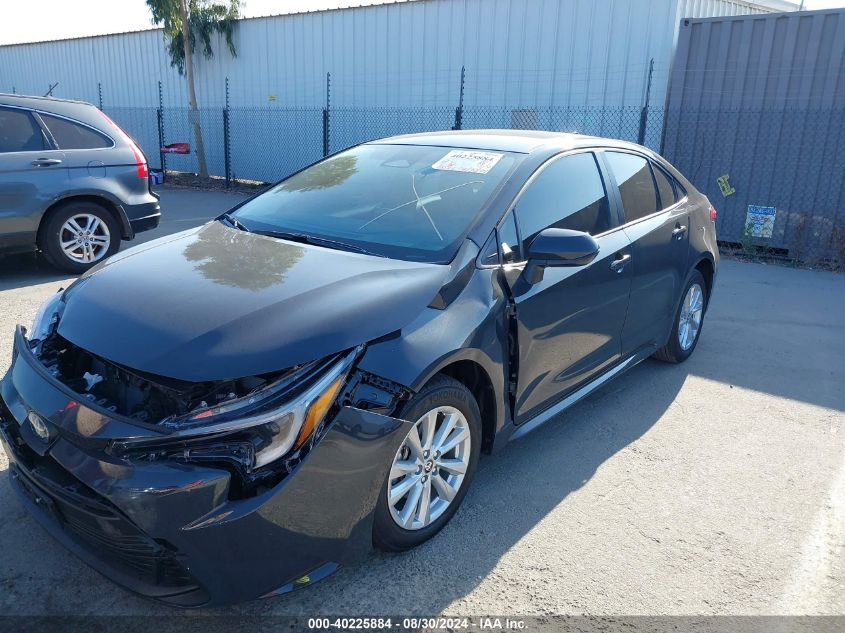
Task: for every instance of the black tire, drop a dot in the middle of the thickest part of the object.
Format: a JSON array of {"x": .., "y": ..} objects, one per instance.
[
  {"x": 672, "y": 352},
  {"x": 440, "y": 391},
  {"x": 50, "y": 237}
]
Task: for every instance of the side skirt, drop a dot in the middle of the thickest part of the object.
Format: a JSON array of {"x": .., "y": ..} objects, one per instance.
[{"x": 579, "y": 394}]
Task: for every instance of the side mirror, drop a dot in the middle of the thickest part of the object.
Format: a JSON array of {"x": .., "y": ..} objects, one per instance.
[{"x": 558, "y": 247}]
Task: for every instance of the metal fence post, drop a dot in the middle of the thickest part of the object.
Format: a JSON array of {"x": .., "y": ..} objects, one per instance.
[
  {"x": 644, "y": 112},
  {"x": 326, "y": 114},
  {"x": 226, "y": 155},
  {"x": 459, "y": 111},
  {"x": 162, "y": 157},
  {"x": 226, "y": 150}
]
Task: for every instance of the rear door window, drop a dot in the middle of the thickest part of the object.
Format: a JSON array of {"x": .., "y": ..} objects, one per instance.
[
  {"x": 635, "y": 182},
  {"x": 19, "y": 132},
  {"x": 71, "y": 135}
]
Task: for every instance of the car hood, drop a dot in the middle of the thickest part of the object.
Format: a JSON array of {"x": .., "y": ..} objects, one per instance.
[{"x": 214, "y": 303}]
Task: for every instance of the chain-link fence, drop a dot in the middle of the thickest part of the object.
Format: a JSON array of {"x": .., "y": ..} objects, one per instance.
[
  {"x": 776, "y": 177},
  {"x": 267, "y": 143}
]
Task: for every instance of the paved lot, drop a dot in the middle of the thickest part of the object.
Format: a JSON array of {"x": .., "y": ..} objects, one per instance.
[{"x": 716, "y": 486}]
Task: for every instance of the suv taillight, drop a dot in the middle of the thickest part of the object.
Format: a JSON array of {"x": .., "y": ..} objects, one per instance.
[
  {"x": 712, "y": 213},
  {"x": 140, "y": 161},
  {"x": 143, "y": 172}
]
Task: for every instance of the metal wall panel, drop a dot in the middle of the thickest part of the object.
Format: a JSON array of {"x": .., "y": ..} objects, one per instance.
[
  {"x": 761, "y": 99},
  {"x": 771, "y": 61},
  {"x": 517, "y": 52}
]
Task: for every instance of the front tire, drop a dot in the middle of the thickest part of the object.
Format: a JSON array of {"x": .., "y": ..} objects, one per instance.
[
  {"x": 79, "y": 235},
  {"x": 432, "y": 469},
  {"x": 689, "y": 320}
]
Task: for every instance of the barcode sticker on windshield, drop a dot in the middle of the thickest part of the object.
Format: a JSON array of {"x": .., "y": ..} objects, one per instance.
[{"x": 468, "y": 161}]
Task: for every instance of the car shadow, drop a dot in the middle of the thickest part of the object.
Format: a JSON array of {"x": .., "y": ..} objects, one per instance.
[
  {"x": 21, "y": 271},
  {"x": 512, "y": 493}
]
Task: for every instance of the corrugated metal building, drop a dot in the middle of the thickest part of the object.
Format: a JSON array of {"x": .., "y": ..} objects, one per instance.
[
  {"x": 759, "y": 101},
  {"x": 516, "y": 52}
]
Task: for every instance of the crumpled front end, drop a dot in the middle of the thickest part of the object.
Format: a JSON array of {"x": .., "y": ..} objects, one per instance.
[{"x": 189, "y": 520}]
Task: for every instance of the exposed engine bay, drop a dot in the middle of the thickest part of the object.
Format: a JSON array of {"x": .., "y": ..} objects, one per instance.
[
  {"x": 135, "y": 395},
  {"x": 163, "y": 401}
]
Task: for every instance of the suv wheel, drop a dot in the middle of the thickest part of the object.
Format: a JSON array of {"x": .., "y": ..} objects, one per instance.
[
  {"x": 688, "y": 321},
  {"x": 79, "y": 235},
  {"x": 432, "y": 469}
]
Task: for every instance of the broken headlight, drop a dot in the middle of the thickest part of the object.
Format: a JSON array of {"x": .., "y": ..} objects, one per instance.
[
  {"x": 283, "y": 415},
  {"x": 46, "y": 317}
]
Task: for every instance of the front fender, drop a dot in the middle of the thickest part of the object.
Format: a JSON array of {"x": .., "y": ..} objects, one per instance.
[{"x": 472, "y": 328}]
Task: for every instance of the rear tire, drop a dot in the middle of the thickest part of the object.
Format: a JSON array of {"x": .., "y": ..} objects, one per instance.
[
  {"x": 686, "y": 329},
  {"x": 79, "y": 235},
  {"x": 455, "y": 415}
]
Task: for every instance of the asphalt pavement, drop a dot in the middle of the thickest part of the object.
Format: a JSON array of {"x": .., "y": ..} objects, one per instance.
[{"x": 712, "y": 487}]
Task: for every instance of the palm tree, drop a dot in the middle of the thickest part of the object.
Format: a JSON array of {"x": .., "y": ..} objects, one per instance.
[{"x": 185, "y": 22}]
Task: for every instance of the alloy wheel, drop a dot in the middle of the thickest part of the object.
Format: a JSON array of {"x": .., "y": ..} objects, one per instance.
[
  {"x": 689, "y": 321},
  {"x": 85, "y": 238},
  {"x": 429, "y": 468}
]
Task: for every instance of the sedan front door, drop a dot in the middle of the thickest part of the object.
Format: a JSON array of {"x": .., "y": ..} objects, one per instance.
[{"x": 570, "y": 322}]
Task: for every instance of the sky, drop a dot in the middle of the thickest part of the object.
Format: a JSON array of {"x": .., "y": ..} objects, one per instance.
[{"x": 59, "y": 19}]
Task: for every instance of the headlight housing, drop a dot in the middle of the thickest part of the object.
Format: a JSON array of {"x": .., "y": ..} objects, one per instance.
[
  {"x": 46, "y": 317},
  {"x": 283, "y": 416}
]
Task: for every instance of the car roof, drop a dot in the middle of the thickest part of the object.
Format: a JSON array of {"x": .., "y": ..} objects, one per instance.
[
  {"x": 78, "y": 110},
  {"x": 520, "y": 141},
  {"x": 32, "y": 101}
]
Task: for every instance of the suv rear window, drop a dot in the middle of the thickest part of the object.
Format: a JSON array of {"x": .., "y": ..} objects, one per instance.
[
  {"x": 19, "y": 132},
  {"x": 70, "y": 135}
]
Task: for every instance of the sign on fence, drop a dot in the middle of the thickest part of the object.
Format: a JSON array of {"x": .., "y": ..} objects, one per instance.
[
  {"x": 725, "y": 185},
  {"x": 760, "y": 221}
]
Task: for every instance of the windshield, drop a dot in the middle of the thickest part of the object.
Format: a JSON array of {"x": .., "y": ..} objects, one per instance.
[{"x": 407, "y": 202}]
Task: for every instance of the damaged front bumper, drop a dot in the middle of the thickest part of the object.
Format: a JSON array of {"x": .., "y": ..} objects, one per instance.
[{"x": 170, "y": 530}]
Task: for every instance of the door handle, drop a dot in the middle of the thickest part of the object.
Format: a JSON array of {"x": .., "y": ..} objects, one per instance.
[
  {"x": 46, "y": 162},
  {"x": 618, "y": 264},
  {"x": 679, "y": 231}
]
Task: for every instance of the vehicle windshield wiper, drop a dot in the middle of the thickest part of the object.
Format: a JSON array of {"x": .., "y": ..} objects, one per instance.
[
  {"x": 233, "y": 221},
  {"x": 315, "y": 241}
]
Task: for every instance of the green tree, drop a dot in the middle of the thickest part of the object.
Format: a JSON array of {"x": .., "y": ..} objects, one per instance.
[{"x": 185, "y": 23}]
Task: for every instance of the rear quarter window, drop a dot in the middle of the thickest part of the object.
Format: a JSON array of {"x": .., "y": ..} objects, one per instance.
[
  {"x": 71, "y": 135},
  {"x": 636, "y": 185},
  {"x": 667, "y": 191}
]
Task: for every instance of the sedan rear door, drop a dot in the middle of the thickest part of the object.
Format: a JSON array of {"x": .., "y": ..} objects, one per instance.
[{"x": 658, "y": 227}]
